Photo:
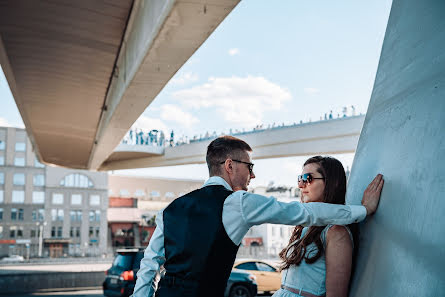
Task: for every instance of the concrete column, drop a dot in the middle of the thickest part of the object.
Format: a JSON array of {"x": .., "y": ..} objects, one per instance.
[{"x": 402, "y": 247}]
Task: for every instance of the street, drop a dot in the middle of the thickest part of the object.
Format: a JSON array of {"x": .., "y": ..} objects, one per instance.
[{"x": 86, "y": 293}]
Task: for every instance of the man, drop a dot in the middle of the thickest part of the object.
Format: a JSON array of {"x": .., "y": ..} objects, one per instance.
[{"x": 198, "y": 235}]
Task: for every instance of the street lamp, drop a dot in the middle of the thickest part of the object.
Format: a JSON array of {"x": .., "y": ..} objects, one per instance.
[{"x": 41, "y": 224}]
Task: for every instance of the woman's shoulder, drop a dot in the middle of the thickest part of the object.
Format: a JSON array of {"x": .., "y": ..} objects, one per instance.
[{"x": 337, "y": 233}]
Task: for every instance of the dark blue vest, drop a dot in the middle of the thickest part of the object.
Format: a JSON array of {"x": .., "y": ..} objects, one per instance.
[{"x": 199, "y": 253}]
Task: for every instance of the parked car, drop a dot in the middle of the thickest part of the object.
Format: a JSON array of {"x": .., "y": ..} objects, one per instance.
[
  {"x": 121, "y": 277},
  {"x": 12, "y": 258},
  {"x": 268, "y": 277}
]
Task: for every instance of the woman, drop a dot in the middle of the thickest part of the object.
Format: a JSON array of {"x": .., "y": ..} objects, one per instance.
[{"x": 318, "y": 260}]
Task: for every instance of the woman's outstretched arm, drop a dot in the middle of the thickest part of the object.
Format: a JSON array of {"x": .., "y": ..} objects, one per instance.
[{"x": 338, "y": 261}]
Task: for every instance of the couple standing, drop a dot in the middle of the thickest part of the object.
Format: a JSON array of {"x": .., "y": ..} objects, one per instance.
[{"x": 198, "y": 235}]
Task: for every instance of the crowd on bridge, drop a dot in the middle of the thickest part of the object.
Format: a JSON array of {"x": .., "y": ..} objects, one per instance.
[
  {"x": 136, "y": 136},
  {"x": 345, "y": 112}
]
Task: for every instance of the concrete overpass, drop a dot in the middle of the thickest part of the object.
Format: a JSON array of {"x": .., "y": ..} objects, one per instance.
[
  {"x": 322, "y": 137},
  {"x": 82, "y": 72}
]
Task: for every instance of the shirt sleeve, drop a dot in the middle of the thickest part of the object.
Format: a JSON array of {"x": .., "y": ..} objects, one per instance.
[
  {"x": 154, "y": 258},
  {"x": 243, "y": 210}
]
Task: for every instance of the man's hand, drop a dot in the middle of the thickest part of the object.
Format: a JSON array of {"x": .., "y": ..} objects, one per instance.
[{"x": 371, "y": 197}]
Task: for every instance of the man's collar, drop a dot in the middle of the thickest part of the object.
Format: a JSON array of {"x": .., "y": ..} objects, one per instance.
[{"x": 217, "y": 180}]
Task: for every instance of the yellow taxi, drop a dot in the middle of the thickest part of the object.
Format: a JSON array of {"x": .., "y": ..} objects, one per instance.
[{"x": 268, "y": 277}]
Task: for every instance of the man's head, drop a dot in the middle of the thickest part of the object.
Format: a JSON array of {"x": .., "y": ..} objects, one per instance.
[{"x": 229, "y": 157}]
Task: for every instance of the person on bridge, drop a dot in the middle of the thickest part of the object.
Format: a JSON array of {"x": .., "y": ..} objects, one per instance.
[
  {"x": 198, "y": 235},
  {"x": 318, "y": 260}
]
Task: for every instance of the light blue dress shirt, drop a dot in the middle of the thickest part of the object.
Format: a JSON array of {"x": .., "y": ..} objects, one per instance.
[{"x": 241, "y": 211}]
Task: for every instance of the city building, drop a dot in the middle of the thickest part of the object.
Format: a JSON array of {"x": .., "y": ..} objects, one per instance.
[
  {"x": 48, "y": 211},
  {"x": 134, "y": 203}
]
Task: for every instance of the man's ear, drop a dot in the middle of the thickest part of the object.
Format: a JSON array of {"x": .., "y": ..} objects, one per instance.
[{"x": 228, "y": 166}]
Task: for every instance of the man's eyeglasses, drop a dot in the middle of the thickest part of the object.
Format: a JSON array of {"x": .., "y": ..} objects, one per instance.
[
  {"x": 250, "y": 165},
  {"x": 307, "y": 178}
]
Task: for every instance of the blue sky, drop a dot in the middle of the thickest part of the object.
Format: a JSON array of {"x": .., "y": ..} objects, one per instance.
[{"x": 268, "y": 62}]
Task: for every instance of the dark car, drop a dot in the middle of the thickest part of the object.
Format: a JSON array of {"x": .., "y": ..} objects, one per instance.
[{"x": 121, "y": 277}]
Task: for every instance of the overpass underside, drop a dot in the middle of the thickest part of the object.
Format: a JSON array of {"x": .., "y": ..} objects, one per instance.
[{"x": 82, "y": 72}]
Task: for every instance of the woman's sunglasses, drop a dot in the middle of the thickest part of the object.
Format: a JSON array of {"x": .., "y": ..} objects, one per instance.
[{"x": 307, "y": 178}]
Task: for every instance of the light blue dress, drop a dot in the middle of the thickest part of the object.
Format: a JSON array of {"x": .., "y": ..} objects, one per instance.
[{"x": 307, "y": 277}]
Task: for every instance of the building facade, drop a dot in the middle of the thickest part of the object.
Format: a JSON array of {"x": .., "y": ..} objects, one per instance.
[
  {"x": 134, "y": 203},
  {"x": 48, "y": 211}
]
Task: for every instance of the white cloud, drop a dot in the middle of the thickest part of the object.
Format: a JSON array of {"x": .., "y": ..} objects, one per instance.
[
  {"x": 233, "y": 51},
  {"x": 240, "y": 100},
  {"x": 185, "y": 78},
  {"x": 171, "y": 112},
  {"x": 4, "y": 123},
  {"x": 311, "y": 91},
  {"x": 146, "y": 124}
]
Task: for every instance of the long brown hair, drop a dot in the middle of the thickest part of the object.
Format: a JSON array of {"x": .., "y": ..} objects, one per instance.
[{"x": 334, "y": 192}]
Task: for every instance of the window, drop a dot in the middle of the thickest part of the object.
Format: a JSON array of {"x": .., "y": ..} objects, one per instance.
[
  {"x": 21, "y": 214},
  {"x": 60, "y": 214},
  {"x": 20, "y": 232},
  {"x": 94, "y": 199},
  {"x": 2, "y": 178},
  {"x": 247, "y": 266},
  {"x": 33, "y": 233},
  {"x": 57, "y": 214},
  {"x": 18, "y": 196},
  {"x": 1, "y": 214},
  {"x": 38, "y": 164},
  {"x": 12, "y": 231},
  {"x": 124, "y": 193},
  {"x": 59, "y": 231},
  {"x": 20, "y": 146},
  {"x": 265, "y": 267},
  {"x": 72, "y": 231},
  {"x": 53, "y": 231},
  {"x": 38, "y": 197},
  {"x": 2, "y": 145},
  {"x": 39, "y": 180},
  {"x": 139, "y": 193},
  {"x": 78, "y": 232},
  {"x": 97, "y": 232},
  {"x": 38, "y": 214},
  {"x": 19, "y": 179},
  {"x": 76, "y": 199},
  {"x": 1, "y": 196},
  {"x": 76, "y": 215},
  {"x": 94, "y": 215},
  {"x": 76, "y": 180},
  {"x": 2, "y": 160},
  {"x": 91, "y": 232},
  {"x": 19, "y": 161},
  {"x": 1, "y": 231},
  {"x": 57, "y": 198},
  {"x": 154, "y": 194}
]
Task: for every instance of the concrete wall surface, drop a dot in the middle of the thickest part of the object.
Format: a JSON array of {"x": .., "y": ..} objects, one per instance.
[
  {"x": 402, "y": 247},
  {"x": 26, "y": 282}
]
